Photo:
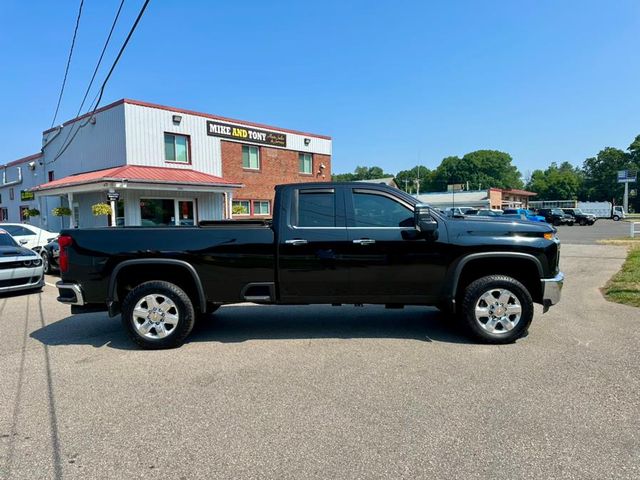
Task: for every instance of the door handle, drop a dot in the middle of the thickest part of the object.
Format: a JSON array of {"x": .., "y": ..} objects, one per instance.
[
  {"x": 364, "y": 241},
  {"x": 296, "y": 241}
]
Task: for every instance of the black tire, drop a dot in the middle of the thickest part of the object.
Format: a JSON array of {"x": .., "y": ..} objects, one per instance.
[
  {"x": 471, "y": 297},
  {"x": 557, "y": 223},
  {"x": 616, "y": 218},
  {"x": 583, "y": 222},
  {"x": 184, "y": 310},
  {"x": 46, "y": 265},
  {"x": 570, "y": 224}
]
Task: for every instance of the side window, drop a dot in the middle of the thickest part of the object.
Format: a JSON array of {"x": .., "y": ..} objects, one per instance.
[
  {"x": 373, "y": 210},
  {"x": 316, "y": 209}
]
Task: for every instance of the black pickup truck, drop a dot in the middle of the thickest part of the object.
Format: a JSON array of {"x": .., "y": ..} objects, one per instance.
[{"x": 328, "y": 243}]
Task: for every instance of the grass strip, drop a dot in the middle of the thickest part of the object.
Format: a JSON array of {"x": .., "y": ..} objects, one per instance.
[{"x": 624, "y": 287}]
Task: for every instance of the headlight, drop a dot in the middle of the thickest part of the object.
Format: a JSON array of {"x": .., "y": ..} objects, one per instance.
[
  {"x": 36, "y": 262},
  {"x": 27, "y": 263}
]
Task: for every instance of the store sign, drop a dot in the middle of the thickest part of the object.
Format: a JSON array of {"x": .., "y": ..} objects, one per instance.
[
  {"x": 26, "y": 195},
  {"x": 627, "y": 176},
  {"x": 113, "y": 196},
  {"x": 226, "y": 130}
]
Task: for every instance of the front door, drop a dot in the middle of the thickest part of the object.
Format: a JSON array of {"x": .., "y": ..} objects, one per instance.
[
  {"x": 388, "y": 264},
  {"x": 311, "y": 247}
]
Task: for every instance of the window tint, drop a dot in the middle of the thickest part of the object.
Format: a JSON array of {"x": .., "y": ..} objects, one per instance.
[
  {"x": 7, "y": 241},
  {"x": 16, "y": 230},
  {"x": 373, "y": 210},
  {"x": 316, "y": 209}
]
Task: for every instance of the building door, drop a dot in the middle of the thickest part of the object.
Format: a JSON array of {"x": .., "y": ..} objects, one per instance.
[{"x": 185, "y": 213}]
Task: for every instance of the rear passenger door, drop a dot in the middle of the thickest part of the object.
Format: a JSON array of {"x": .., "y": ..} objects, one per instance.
[{"x": 312, "y": 244}]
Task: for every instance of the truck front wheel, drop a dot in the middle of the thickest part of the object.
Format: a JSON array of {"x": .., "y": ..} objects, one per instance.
[
  {"x": 496, "y": 309},
  {"x": 157, "y": 315}
]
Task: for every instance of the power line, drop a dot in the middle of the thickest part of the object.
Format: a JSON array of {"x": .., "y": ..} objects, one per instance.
[
  {"x": 104, "y": 83},
  {"x": 66, "y": 70},
  {"x": 95, "y": 71},
  {"x": 104, "y": 49}
]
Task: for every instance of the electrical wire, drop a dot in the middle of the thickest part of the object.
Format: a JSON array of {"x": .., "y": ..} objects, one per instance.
[
  {"x": 66, "y": 70},
  {"x": 104, "y": 83},
  {"x": 95, "y": 70}
]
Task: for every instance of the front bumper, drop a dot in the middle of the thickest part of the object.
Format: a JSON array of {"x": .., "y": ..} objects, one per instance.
[
  {"x": 23, "y": 278},
  {"x": 551, "y": 290}
]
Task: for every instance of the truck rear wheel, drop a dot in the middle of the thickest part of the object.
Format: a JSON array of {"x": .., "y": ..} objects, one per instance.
[
  {"x": 496, "y": 309},
  {"x": 157, "y": 315}
]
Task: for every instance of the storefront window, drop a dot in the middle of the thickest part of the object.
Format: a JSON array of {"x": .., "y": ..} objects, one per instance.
[
  {"x": 156, "y": 212},
  {"x": 250, "y": 157},
  {"x": 176, "y": 148},
  {"x": 159, "y": 212}
]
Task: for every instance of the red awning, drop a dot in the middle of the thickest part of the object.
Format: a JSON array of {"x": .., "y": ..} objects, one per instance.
[{"x": 139, "y": 174}]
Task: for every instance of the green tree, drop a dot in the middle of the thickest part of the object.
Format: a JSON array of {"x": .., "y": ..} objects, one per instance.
[
  {"x": 406, "y": 179},
  {"x": 562, "y": 182},
  {"x": 601, "y": 174},
  {"x": 361, "y": 173},
  {"x": 481, "y": 169}
]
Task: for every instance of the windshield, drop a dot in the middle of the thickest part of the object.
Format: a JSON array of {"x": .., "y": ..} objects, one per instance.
[
  {"x": 7, "y": 240},
  {"x": 557, "y": 211},
  {"x": 578, "y": 211}
]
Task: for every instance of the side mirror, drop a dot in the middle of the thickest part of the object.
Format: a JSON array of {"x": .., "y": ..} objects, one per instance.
[
  {"x": 23, "y": 241},
  {"x": 424, "y": 221}
]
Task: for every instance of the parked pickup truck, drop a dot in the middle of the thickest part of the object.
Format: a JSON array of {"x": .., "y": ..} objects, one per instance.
[{"x": 328, "y": 243}]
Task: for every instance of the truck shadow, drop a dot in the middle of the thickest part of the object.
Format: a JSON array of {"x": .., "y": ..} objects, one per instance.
[{"x": 235, "y": 324}]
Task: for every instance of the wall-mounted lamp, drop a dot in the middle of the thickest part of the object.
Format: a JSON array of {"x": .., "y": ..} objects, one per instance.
[
  {"x": 307, "y": 141},
  {"x": 92, "y": 120},
  {"x": 177, "y": 119}
]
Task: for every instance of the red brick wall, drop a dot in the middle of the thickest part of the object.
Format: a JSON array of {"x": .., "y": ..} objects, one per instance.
[{"x": 276, "y": 166}]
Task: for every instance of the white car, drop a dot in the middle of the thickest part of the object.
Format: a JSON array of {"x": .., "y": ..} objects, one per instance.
[
  {"x": 29, "y": 236},
  {"x": 20, "y": 267}
]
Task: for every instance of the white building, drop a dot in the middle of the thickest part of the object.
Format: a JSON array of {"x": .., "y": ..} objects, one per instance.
[{"x": 162, "y": 165}]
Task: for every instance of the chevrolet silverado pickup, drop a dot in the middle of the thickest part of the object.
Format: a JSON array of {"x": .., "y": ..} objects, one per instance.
[{"x": 328, "y": 243}]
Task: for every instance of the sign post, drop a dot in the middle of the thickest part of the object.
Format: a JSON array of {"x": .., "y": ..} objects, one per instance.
[
  {"x": 626, "y": 177},
  {"x": 113, "y": 198}
]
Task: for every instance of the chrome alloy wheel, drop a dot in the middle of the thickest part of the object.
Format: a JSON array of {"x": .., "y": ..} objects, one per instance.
[
  {"x": 498, "y": 311},
  {"x": 155, "y": 316}
]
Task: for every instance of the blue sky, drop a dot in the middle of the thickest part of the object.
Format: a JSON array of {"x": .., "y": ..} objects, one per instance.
[{"x": 394, "y": 83}]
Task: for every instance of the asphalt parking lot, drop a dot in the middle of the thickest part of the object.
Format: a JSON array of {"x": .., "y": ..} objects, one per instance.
[
  {"x": 326, "y": 392},
  {"x": 589, "y": 235}
]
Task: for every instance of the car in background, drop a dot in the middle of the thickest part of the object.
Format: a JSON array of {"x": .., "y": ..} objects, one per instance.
[
  {"x": 581, "y": 217},
  {"x": 29, "y": 236},
  {"x": 485, "y": 212},
  {"x": 20, "y": 267},
  {"x": 459, "y": 211},
  {"x": 50, "y": 254},
  {"x": 556, "y": 217},
  {"x": 524, "y": 213}
]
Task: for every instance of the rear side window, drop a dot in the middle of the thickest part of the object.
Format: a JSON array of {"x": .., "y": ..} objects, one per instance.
[
  {"x": 17, "y": 231},
  {"x": 373, "y": 210},
  {"x": 316, "y": 209}
]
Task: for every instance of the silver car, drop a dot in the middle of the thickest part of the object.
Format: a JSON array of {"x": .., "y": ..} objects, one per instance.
[{"x": 20, "y": 268}]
